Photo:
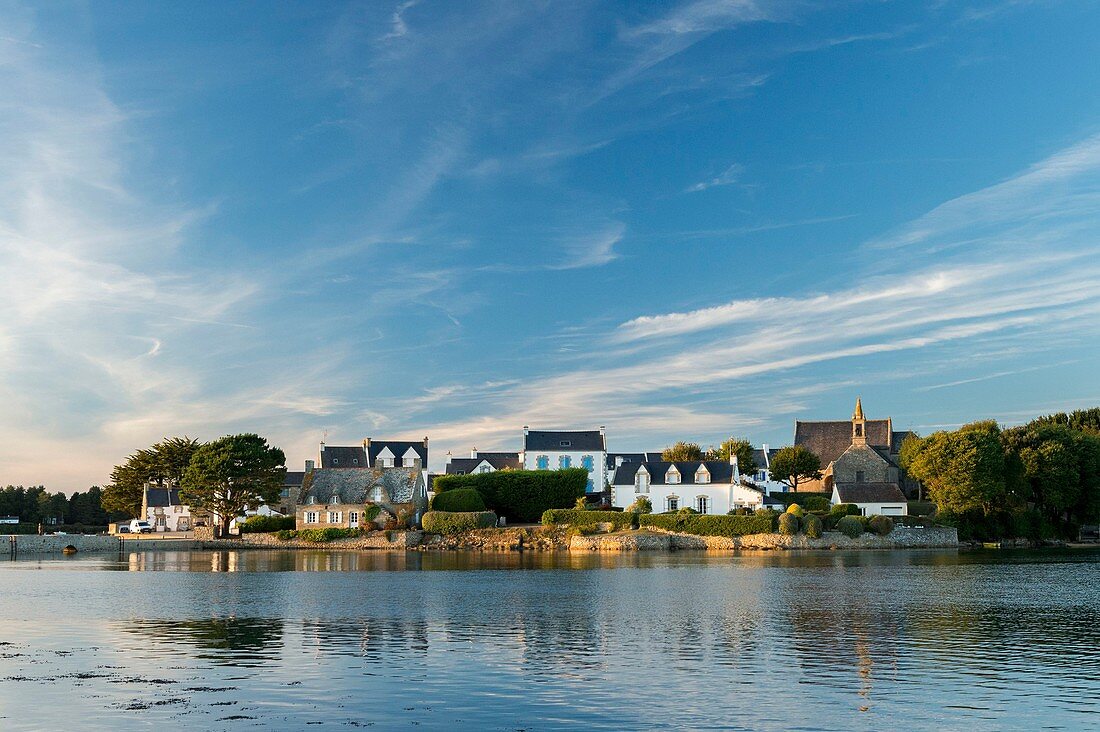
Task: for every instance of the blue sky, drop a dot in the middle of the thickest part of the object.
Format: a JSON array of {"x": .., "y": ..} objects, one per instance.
[{"x": 678, "y": 220}]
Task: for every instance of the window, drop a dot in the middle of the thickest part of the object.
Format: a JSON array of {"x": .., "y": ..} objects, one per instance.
[
  {"x": 702, "y": 476},
  {"x": 408, "y": 462},
  {"x": 761, "y": 475},
  {"x": 336, "y": 461},
  {"x": 355, "y": 461},
  {"x": 564, "y": 461},
  {"x": 542, "y": 462},
  {"x": 312, "y": 500},
  {"x": 334, "y": 517},
  {"x": 859, "y": 430},
  {"x": 484, "y": 469},
  {"x": 376, "y": 494},
  {"x": 591, "y": 487},
  {"x": 859, "y": 476},
  {"x": 588, "y": 463},
  {"x": 673, "y": 476},
  {"x": 460, "y": 472},
  {"x": 565, "y": 443},
  {"x": 335, "y": 500},
  {"x": 387, "y": 462},
  {"x": 641, "y": 482},
  {"x": 672, "y": 503},
  {"x": 353, "y": 518},
  {"x": 702, "y": 503},
  {"x": 311, "y": 517}
]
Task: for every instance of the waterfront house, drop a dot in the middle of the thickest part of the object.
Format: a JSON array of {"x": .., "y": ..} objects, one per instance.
[
  {"x": 383, "y": 453},
  {"x": 707, "y": 486},
  {"x": 762, "y": 477},
  {"x": 883, "y": 499},
  {"x": 164, "y": 511},
  {"x": 338, "y": 498},
  {"x": 858, "y": 450},
  {"x": 559, "y": 449}
]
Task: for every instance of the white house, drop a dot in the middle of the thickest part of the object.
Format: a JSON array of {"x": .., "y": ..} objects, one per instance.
[
  {"x": 162, "y": 508},
  {"x": 558, "y": 449},
  {"x": 762, "y": 477},
  {"x": 883, "y": 499},
  {"x": 483, "y": 462},
  {"x": 708, "y": 486}
]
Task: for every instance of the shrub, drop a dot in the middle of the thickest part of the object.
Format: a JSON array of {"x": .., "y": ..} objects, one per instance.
[
  {"x": 770, "y": 513},
  {"x": 813, "y": 526},
  {"x": 811, "y": 500},
  {"x": 850, "y": 526},
  {"x": 446, "y": 522},
  {"x": 845, "y": 509},
  {"x": 320, "y": 536},
  {"x": 881, "y": 525},
  {"x": 521, "y": 495},
  {"x": 641, "y": 505},
  {"x": 795, "y": 509},
  {"x": 581, "y": 504},
  {"x": 921, "y": 508},
  {"x": 708, "y": 525},
  {"x": 686, "y": 511},
  {"x": 458, "y": 501},
  {"x": 573, "y": 517},
  {"x": 370, "y": 512},
  {"x": 266, "y": 524},
  {"x": 788, "y": 523}
]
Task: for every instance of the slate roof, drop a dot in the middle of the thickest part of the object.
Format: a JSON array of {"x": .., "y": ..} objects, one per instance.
[
  {"x": 631, "y": 457},
  {"x": 465, "y": 466},
  {"x": 769, "y": 501},
  {"x": 550, "y": 440},
  {"x": 163, "y": 497},
  {"x": 499, "y": 456},
  {"x": 398, "y": 448},
  {"x": 869, "y": 493},
  {"x": 293, "y": 478},
  {"x": 720, "y": 472},
  {"x": 353, "y": 485},
  {"x": 344, "y": 457},
  {"x": 763, "y": 461},
  {"x": 829, "y": 440}
]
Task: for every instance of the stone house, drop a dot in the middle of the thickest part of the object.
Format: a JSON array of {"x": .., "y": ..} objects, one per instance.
[
  {"x": 338, "y": 498},
  {"x": 164, "y": 511},
  {"x": 854, "y": 451}
]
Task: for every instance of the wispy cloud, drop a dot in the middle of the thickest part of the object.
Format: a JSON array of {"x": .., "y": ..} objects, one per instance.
[{"x": 729, "y": 176}]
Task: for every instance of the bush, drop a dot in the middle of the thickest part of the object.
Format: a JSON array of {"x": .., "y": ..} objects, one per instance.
[
  {"x": 813, "y": 526},
  {"x": 460, "y": 500},
  {"x": 321, "y": 536},
  {"x": 845, "y": 509},
  {"x": 446, "y": 522},
  {"x": 811, "y": 501},
  {"x": 708, "y": 525},
  {"x": 285, "y": 534},
  {"x": 770, "y": 513},
  {"x": 266, "y": 524},
  {"x": 686, "y": 511},
  {"x": 850, "y": 526},
  {"x": 795, "y": 509},
  {"x": 788, "y": 523},
  {"x": 641, "y": 505},
  {"x": 573, "y": 517},
  {"x": 521, "y": 495},
  {"x": 921, "y": 508},
  {"x": 881, "y": 525}
]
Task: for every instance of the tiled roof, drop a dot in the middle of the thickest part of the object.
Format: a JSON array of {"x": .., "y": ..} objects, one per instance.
[
  {"x": 551, "y": 440},
  {"x": 869, "y": 493},
  {"x": 829, "y": 440},
  {"x": 720, "y": 472},
  {"x": 353, "y": 485}
]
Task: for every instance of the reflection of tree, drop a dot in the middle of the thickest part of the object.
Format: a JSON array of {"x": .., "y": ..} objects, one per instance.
[{"x": 231, "y": 641}]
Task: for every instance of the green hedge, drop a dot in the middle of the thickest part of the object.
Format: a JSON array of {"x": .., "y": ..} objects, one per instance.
[
  {"x": 521, "y": 496},
  {"x": 446, "y": 522},
  {"x": 266, "y": 524},
  {"x": 573, "y": 517},
  {"x": 810, "y": 500},
  {"x": 459, "y": 500},
  {"x": 318, "y": 536},
  {"x": 704, "y": 525}
]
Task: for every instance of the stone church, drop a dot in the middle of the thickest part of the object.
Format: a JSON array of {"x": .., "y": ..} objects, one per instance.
[{"x": 857, "y": 452}]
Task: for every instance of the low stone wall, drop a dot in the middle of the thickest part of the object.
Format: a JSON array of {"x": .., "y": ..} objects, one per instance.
[
  {"x": 903, "y": 537},
  {"x": 537, "y": 539},
  {"x": 400, "y": 540},
  {"x": 56, "y": 543}
]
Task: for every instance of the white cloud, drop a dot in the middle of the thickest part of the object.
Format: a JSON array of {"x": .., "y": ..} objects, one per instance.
[{"x": 729, "y": 176}]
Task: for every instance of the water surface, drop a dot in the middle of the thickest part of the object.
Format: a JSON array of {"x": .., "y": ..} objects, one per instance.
[{"x": 290, "y": 640}]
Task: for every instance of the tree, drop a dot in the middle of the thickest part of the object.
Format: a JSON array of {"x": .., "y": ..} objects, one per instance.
[
  {"x": 682, "y": 451},
  {"x": 743, "y": 449},
  {"x": 229, "y": 475},
  {"x": 1059, "y": 467},
  {"x": 794, "y": 465},
  {"x": 162, "y": 464},
  {"x": 963, "y": 470},
  {"x": 910, "y": 448}
]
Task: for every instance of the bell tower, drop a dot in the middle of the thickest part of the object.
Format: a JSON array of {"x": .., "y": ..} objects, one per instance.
[{"x": 859, "y": 425}]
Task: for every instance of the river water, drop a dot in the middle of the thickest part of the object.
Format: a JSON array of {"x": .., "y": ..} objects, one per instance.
[{"x": 921, "y": 640}]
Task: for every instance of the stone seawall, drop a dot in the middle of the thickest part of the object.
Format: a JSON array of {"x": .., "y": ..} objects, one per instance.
[
  {"x": 400, "y": 540},
  {"x": 99, "y": 544},
  {"x": 903, "y": 537}
]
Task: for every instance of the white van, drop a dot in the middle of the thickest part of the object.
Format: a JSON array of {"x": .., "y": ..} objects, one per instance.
[{"x": 137, "y": 526}]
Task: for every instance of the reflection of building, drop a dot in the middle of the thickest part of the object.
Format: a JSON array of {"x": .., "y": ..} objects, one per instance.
[
  {"x": 707, "y": 486},
  {"x": 162, "y": 508},
  {"x": 854, "y": 451}
]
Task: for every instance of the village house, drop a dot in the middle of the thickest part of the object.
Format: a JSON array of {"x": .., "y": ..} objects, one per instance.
[
  {"x": 340, "y": 497},
  {"x": 560, "y": 449},
  {"x": 707, "y": 486},
  {"x": 164, "y": 511},
  {"x": 762, "y": 477},
  {"x": 372, "y": 453},
  {"x": 483, "y": 462}
]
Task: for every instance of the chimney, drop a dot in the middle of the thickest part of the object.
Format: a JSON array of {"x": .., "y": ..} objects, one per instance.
[
  {"x": 618, "y": 461},
  {"x": 309, "y": 466},
  {"x": 473, "y": 452}
]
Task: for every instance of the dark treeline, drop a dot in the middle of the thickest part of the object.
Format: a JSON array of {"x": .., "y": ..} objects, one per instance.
[{"x": 36, "y": 505}]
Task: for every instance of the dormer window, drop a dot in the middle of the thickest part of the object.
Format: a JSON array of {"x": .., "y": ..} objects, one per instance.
[
  {"x": 673, "y": 476},
  {"x": 335, "y": 500},
  {"x": 702, "y": 475},
  {"x": 641, "y": 482}
]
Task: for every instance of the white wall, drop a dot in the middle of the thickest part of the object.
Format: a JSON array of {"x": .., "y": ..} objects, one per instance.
[
  {"x": 598, "y": 474},
  {"x": 623, "y": 496}
]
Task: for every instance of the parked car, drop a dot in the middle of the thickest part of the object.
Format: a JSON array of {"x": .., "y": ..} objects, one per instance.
[{"x": 140, "y": 527}]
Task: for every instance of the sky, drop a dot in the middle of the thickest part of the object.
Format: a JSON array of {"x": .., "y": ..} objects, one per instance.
[{"x": 681, "y": 220}]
